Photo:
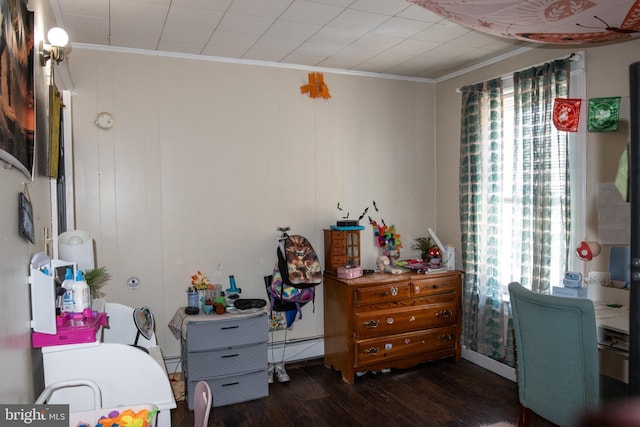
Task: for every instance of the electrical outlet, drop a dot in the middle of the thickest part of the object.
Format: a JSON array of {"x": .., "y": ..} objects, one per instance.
[{"x": 133, "y": 283}]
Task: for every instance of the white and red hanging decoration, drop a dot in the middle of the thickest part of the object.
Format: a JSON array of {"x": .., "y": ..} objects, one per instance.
[
  {"x": 566, "y": 114},
  {"x": 316, "y": 88},
  {"x": 545, "y": 21}
]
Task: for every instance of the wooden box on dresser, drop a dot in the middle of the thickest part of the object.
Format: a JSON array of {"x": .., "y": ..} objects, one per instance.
[{"x": 382, "y": 320}]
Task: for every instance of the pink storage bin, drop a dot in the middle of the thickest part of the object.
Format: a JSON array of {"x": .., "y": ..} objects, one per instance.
[
  {"x": 71, "y": 328},
  {"x": 349, "y": 272}
]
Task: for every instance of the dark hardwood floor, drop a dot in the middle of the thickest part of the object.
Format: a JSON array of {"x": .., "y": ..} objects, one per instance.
[{"x": 441, "y": 393}]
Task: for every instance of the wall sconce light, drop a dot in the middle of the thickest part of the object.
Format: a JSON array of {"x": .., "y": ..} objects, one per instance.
[{"x": 58, "y": 39}]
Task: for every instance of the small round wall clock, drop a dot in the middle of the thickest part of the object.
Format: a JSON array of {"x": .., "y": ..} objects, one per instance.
[{"x": 104, "y": 120}]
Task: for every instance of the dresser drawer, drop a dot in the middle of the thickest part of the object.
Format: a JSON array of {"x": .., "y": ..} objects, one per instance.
[
  {"x": 381, "y": 293},
  {"x": 339, "y": 236},
  {"x": 207, "y": 364},
  {"x": 399, "y": 346},
  {"x": 234, "y": 388},
  {"x": 396, "y": 320},
  {"x": 434, "y": 285},
  {"x": 235, "y": 331},
  {"x": 338, "y": 250},
  {"x": 339, "y": 261}
]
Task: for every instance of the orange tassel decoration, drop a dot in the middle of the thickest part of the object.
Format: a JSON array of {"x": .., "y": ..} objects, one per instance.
[{"x": 316, "y": 88}]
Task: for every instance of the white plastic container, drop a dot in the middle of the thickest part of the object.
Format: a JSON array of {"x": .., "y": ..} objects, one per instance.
[
  {"x": 67, "y": 299},
  {"x": 81, "y": 297}
]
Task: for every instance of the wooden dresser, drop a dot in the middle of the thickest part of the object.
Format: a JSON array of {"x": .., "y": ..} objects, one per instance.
[{"x": 390, "y": 321}]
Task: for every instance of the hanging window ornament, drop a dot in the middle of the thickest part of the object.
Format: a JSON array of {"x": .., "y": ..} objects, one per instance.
[
  {"x": 316, "y": 88},
  {"x": 566, "y": 114},
  {"x": 604, "y": 114}
]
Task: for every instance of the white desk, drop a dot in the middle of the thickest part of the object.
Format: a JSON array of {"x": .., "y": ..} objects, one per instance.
[
  {"x": 613, "y": 318},
  {"x": 613, "y": 331}
]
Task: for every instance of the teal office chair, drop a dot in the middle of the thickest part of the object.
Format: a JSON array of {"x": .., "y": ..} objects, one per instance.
[{"x": 557, "y": 356}]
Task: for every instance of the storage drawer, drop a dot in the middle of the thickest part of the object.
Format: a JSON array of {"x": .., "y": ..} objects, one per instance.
[
  {"x": 397, "y": 320},
  {"x": 371, "y": 351},
  {"x": 207, "y": 364},
  {"x": 339, "y": 236},
  {"x": 381, "y": 293},
  {"x": 234, "y": 388},
  {"x": 236, "y": 331},
  {"x": 434, "y": 285}
]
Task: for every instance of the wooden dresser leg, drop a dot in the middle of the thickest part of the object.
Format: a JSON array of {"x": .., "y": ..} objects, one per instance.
[{"x": 525, "y": 417}]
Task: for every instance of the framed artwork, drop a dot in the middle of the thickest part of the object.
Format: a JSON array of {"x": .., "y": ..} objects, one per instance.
[
  {"x": 17, "y": 124},
  {"x": 25, "y": 217}
]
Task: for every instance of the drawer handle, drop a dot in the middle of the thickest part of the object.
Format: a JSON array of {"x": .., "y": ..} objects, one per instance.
[
  {"x": 447, "y": 337},
  {"x": 394, "y": 291},
  {"x": 444, "y": 314},
  {"x": 230, "y": 355},
  {"x": 435, "y": 286},
  {"x": 389, "y": 320},
  {"x": 372, "y": 350},
  {"x": 230, "y": 327},
  {"x": 371, "y": 323},
  {"x": 230, "y": 384}
]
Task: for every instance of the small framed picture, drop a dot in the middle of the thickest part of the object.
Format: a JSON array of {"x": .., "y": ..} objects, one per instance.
[{"x": 25, "y": 218}]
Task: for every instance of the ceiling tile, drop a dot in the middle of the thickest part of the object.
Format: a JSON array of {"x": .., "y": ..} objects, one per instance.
[
  {"x": 87, "y": 29},
  {"x": 347, "y": 58},
  {"x": 247, "y": 24},
  {"x": 215, "y": 5},
  {"x": 269, "y": 8},
  {"x": 292, "y": 30},
  {"x": 303, "y": 59},
  {"x": 84, "y": 7},
  {"x": 226, "y": 44},
  {"x": 420, "y": 14},
  {"x": 375, "y": 42},
  {"x": 442, "y": 32},
  {"x": 363, "y": 22},
  {"x": 383, "y": 7},
  {"x": 401, "y": 27},
  {"x": 189, "y": 35},
  {"x": 132, "y": 11},
  {"x": 367, "y": 35},
  {"x": 191, "y": 17},
  {"x": 317, "y": 49},
  {"x": 274, "y": 44},
  {"x": 335, "y": 36},
  {"x": 310, "y": 12}
]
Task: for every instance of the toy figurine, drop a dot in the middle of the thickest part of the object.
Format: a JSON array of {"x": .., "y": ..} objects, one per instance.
[
  {"x": 435, "y": 257},
  {"x": 382, "y": 263}
]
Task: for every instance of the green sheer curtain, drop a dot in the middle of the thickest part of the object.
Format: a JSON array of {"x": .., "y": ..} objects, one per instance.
[
  {"x": 514, "y": 200},
  {"x": 541, "y": 192}
]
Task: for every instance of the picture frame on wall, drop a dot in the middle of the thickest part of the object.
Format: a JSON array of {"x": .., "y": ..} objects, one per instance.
[
  {"x": 25, "y": 217},
  {"x": 17, "y": 112}
]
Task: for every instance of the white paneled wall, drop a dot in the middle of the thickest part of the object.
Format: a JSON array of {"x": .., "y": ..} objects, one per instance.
[{"x": 206, "y": 159}]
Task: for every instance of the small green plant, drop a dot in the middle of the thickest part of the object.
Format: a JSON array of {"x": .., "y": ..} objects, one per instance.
[
  {"x": 423, "y": 244},
  {"x": 96, "y": 278}
]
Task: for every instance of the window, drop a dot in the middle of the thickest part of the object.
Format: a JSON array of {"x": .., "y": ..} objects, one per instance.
[
  {"x": 577, "y": 153},
  {"x": 521, "y": 196}
]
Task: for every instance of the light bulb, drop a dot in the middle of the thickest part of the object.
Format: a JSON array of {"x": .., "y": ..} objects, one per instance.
[
  {"x": 58, "y": 37},
  {"x": 75, "y": 240}
]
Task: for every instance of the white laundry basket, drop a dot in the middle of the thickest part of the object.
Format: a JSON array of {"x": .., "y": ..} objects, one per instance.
[{"x": 91, "y": 417}]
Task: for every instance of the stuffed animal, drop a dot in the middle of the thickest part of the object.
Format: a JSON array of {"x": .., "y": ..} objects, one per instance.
[{"x": 382, "y": 263}]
